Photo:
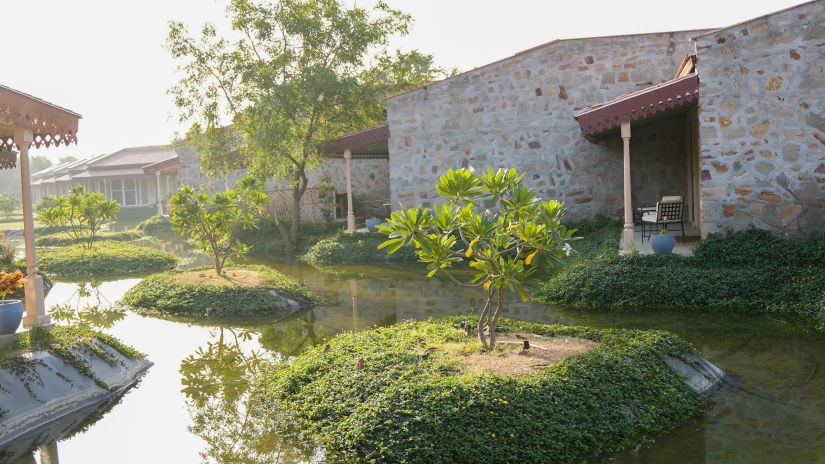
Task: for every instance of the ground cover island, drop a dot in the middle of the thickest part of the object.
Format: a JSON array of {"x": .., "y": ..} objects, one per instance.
[{"x": 427, "y": 392}]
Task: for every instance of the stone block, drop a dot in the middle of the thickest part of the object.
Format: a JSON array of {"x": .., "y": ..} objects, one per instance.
[
  {"x": 761, "y": 129},
  {"x": 771, "y": 197}
]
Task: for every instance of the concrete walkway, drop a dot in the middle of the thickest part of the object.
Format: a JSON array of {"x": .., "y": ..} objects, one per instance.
[{"x": 681, "y": 248}]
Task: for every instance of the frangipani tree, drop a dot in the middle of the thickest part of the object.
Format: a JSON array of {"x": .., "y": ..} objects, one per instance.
[
  {"x": 210, "y": 221},
  {"x": 503, "y": 246}
]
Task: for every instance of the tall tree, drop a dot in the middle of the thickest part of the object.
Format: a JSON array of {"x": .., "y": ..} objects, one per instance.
[{"x": 295, "y": 75}]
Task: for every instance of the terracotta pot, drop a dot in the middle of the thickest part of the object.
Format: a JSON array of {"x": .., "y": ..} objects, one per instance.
[{"x": 11, "y": 313}]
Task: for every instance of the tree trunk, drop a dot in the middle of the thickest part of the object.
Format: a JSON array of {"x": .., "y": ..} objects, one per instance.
[
  {"x": 298, "y": 190},
  {"x": 481, "y": 322},
  {"x": 494, "y": 320}
]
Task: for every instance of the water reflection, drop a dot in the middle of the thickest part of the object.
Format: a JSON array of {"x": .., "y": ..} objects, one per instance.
[
  {"x": 217, "y": 380},
  {"x": 87, "y": 307},
  {"x": 194, "y": 404}
]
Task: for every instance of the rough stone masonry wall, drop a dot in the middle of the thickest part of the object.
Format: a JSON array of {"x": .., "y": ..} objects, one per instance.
[
  {"x": 762, "y": 123},
  {"x": 518, "y": 113},
  {"x": 370, "y": 179}
]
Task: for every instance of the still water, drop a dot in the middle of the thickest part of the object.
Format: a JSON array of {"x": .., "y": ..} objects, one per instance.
[{"x": 190, "y": 407}]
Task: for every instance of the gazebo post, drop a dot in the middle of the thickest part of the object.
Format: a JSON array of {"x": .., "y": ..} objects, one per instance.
[
  {"x": 350, "y": 213},
  {"x": 157, "y": 193},
  {"x": 627, "y": 233},
  {"x": 35, "y": 306}
]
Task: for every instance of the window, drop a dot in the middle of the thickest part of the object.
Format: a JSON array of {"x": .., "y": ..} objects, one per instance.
[
  {"x": 116, "y": 188},
  {"x": 129, "y": 192}
]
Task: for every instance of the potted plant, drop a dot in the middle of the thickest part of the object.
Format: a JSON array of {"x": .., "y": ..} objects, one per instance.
[
  {"x": 11, "y": 311},
  {"x": 372, "y": 224},
  {"x": 663, "y": 242}
]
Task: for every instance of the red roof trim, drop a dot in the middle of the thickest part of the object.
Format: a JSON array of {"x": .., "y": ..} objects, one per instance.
[
  {"x": 635, "y": 106},
  {"x": 359, "y": 139}
]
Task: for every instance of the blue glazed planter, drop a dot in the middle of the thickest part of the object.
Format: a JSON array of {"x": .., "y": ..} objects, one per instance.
[
  {"x": 662, "y": 244},
  {"x": 11, "y": 313},
  {"x": 371, "y": 223}
]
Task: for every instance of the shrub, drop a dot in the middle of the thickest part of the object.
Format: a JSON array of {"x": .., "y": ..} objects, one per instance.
[
  {"x": 163, "y": 295},
  {"x": 63, "y": 239},
  {"x": 401, "y": 407},
  {"x": 210, "y": 221},
  {"x": 749, "y": 270},
  {"x": 157, "y": 226},
  {"x": 81, "y": 214},
  {"x": 346, "y": 248},
  {"x": 106, "y": 260}
]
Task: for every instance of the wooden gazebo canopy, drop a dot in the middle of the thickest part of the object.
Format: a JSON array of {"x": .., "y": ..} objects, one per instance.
[{"x": 25, "y": 121}]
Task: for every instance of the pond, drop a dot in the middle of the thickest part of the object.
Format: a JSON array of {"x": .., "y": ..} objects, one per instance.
[{"x": 190, "y": 407}]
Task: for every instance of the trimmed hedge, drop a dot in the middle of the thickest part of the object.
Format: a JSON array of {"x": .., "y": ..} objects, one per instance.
[
  {"x": 399, "y": 408},
  {"x": 749, "y": 270},
  {"x": 345, "y": 248},
  {"x": 106, "y": 260},
  {"x": 157, "y": 226},
  {"x": 64, "y": 239},
  {"x": 163, "y": 295}
]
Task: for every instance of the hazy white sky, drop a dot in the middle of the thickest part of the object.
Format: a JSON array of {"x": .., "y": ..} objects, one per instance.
[{"x": 105, "y": 58}]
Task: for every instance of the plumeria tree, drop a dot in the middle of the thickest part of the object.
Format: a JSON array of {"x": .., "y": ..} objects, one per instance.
[
  {"x": 80, "y": 214},
  {"x": 504, "y": 245},
  {"x": 211, "y": 220}
]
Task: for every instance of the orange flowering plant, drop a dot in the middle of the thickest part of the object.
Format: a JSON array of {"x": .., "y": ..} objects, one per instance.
[{"x": 9, "y": 282}]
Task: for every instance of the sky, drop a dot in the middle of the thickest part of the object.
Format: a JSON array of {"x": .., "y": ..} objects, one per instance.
[{"x": 106, "y": 60}]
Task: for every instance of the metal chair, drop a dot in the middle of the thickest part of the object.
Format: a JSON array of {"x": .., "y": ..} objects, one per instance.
[{"x": 668, "y": 211}]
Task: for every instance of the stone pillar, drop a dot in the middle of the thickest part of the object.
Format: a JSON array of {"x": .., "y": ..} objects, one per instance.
[
  {"x": 35, "y": 307},
  {"x": 353, "y": 289},
  {"x": 157, "y": 193},
  {"x": 350, "y": 213},
  {"x": 627, "y": 232},
  {"x": 48, "y": 454}
]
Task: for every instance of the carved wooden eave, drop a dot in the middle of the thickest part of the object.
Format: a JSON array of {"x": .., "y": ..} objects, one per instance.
[
  {"x": 49, "y": 124},
  {"x": 600, "y": 119}
]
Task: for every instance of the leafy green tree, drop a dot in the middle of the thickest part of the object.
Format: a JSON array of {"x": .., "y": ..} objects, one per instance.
[
  {"x": 211, "y": 220},
  {"x": 300, "y": 74},
  {"x": 9, "y": 204},
  {"x": 80, "y": 214},
  {"x": 504, "y": 246},
  {"x": 39, "y": 163}
]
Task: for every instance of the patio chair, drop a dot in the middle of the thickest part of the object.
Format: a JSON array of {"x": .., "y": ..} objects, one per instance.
[{"x": 667, "y": 211}]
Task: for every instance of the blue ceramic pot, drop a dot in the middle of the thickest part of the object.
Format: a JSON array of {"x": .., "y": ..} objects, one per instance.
[
  {"x": 11, "y": 313},
  {"x": 371, "y": 223},
  {"x": 662, "y": 244}
]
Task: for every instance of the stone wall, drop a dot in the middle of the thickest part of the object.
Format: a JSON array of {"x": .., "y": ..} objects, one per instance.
[
  {"x": 762, "y": 123},
  {"x": 370, "y": 179},
  {"x": 518, "y": 112}
]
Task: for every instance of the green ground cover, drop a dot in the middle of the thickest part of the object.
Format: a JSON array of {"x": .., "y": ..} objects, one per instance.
[
  {"x": 106, "y": 260},
  {"x": 400, "y": 407},
  {"x": 64, "y": 239},
  {"x": 749, "y": 270},
  {"x": 344, "y": 248},
  {"x": 165, "y": 295},
  {"x": 65, "y": 343}
]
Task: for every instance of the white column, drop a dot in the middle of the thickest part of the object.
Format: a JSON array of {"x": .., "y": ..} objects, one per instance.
[
  {"x": 157, "y": 193},
  {"x": 35, "y": 307},
  {"x": 350, "y": 213},
  {"x": 627, "y": 232}
]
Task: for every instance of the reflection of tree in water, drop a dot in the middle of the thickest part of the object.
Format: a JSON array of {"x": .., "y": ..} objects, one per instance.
[
  {"x": 218, "y": 380},
  {"x": 289, "y": 337},
  {"x": 87, "y": 307}
]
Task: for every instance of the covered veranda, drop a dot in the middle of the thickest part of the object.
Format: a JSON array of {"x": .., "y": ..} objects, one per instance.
[
  {"x": 369, "y": 143},
  {"x": 663, "y": 161},
  {"x": 27, "y": 121}
]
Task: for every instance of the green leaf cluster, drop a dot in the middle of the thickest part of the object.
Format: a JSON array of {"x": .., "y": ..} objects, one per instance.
[
  {"x": 9, "y": 204},
  {"x": 80, "y": 214},
  {"x": 504, "y": 246},
  {"x": 402, "y": 408},
  {"x": 210, "y": 220}
]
